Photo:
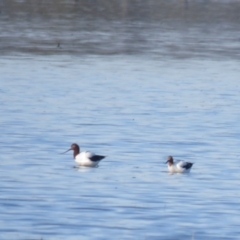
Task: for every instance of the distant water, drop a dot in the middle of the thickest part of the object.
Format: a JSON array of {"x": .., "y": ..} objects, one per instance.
[{"x": 136, "y": 87}]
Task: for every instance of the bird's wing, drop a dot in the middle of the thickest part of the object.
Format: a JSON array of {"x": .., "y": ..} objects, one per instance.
[
  {"x": 183, "y": 164},
  {"x": 89, "y": 154},
  {"x": 92, "y": 156},
  {"x": 97, "y": 158},
  {"x": 180, "y": 164}
]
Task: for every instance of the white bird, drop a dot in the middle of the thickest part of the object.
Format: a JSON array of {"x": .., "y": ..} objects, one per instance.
[
  {"x": 179, "y": 166},
  {"x": 87, "y": 159}
]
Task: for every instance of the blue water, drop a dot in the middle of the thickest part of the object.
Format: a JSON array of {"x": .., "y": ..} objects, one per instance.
[
  {"x": 137, "y": 111},
  {"x": 137, "y": 82}
]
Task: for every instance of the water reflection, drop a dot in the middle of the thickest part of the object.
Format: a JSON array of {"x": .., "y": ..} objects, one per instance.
[
  {"x": 179, "y": 29},
  {"x": 84, "y": 169}
]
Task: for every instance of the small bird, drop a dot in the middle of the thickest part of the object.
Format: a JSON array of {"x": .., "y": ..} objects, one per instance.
[
  {"x": 87, "y": 159},
  {"x": 179, "y": 166}
]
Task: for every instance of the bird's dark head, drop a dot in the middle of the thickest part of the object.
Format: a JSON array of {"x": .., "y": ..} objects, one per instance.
[
  {"x": 75, "y": 148},
  {"x": 169, "y": 160}
]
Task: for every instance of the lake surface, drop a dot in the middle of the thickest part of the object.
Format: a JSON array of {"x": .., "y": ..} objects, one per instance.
[{"x": 133, "y": 81}]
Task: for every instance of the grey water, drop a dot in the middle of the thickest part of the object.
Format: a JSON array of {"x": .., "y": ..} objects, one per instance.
[{"x": 135, "y": 81}]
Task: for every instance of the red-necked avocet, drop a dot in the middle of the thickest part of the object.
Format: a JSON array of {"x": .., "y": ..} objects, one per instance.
[
  {"x": 179, "y": 166},
  {"x": 87, "y": 159}
]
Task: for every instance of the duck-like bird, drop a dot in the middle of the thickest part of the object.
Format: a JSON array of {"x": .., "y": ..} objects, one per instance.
[
  {"x": 179, "y": 166},
  {"x": 87, "y": 159}
]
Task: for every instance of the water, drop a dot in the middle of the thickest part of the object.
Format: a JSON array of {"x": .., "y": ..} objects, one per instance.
[{"x": 127, "y": 90}]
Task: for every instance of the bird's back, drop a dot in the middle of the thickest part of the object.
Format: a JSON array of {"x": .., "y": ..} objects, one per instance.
[
  {"x": 88, "y": 159},
  {"x": 184, "y": 166}
]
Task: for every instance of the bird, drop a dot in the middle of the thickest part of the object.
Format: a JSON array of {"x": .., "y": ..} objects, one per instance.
[
  {"x": 179, "y": 166},
  {"x": 87, "y": 158}
]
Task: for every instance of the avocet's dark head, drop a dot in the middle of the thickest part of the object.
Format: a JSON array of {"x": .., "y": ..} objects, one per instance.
[
  {"x": 75, "y": 148},
  {"x": 170, "y": 160}
]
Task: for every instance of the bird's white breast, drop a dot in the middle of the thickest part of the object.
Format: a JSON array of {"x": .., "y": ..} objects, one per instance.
[{"x": 83, "y": 159}]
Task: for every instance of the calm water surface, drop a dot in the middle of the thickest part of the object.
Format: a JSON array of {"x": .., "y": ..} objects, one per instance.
[{"x": 136, "y": 99}]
